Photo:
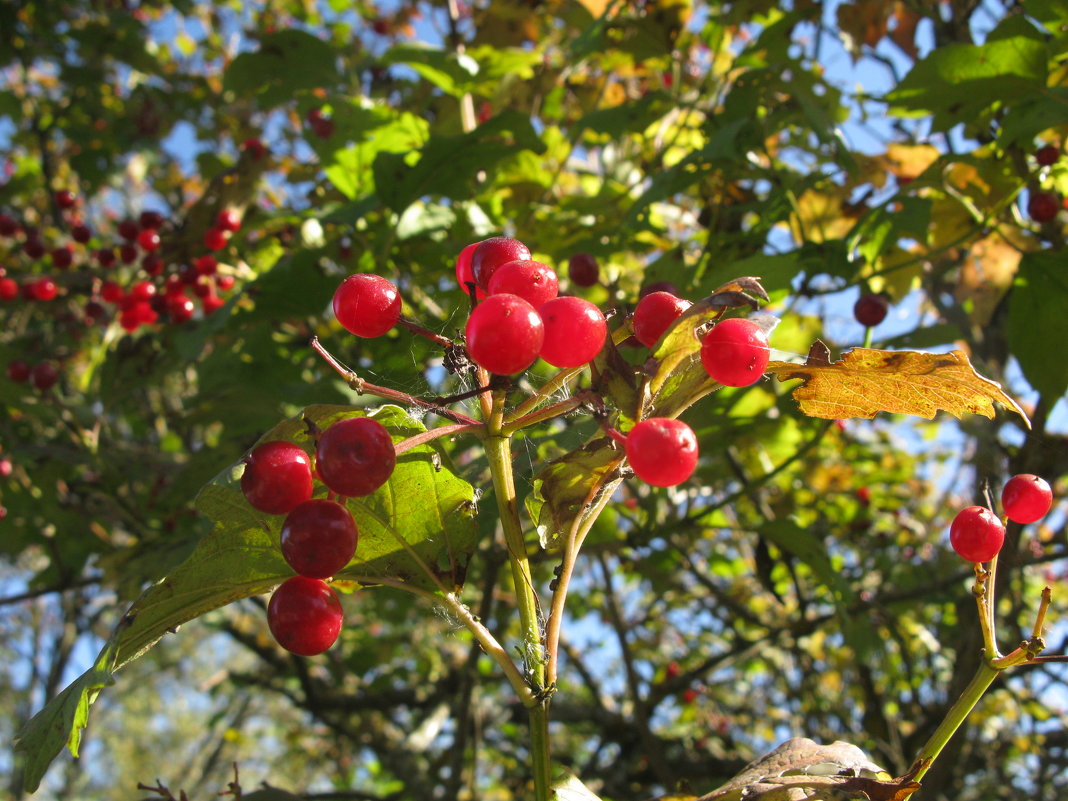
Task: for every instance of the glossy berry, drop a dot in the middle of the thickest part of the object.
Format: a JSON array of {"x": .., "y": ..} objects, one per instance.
[
  {"x": 534, "y": 282},
  {"x": 228, "y": 220},
  {"x": 575, "y": 330},
  {"x": 206, "y": 265},
  {"x": 504, "y": 334},
  {"x": 304, "y": 615},
  {"x": 735, "y": 352},
  {"x": 277, "y": 477},
  {"x": 1047, "y": 155},
  {"x": 465, "y": 275},
  {"x": 1026, "y": 498},
  {"x": 492, "y": 253},
  {"x": 224, "y": 283},
  {"x": 870, "y": 309},
  {"x": 148, "y": 239},
  {"x": 355, "y": 456},
  {"x": 583, "y": 270},
  {"x": 44, "y": 289},
  {"x": 65, "y": 199},
  {"x": 111, "y": 292},
  {"x": 654, "y": 314},
  {"x": 9, "y": 289},
  {"x": 662, "y": 451},
  {"x": 44, "y": 375},
  {"x": 367, "y": 305},
  {"x": 211, "y": 304},
  {"x": 216, "y": 238},
  {"x": 1042, "y": 206},
  {"x": 319, "y": 538},
  {"x": 180, "y": 308},
  {"x": 976, "y": 534}
]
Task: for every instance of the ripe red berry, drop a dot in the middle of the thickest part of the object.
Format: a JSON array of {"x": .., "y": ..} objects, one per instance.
[
  {"x": 1047, "y": 155},
  {"x": 152, "y": 264},
  {"x": 111, "y": 292},
  {"x": 216, "y": 238},
  {"x": 211, "y": 304},
  {"x": 504, "y": 334},
  {"x": 319, "y": 538},
  {"x": 33, "y": 247},
  {"x": 206, "y": 265},
  {"x": 180, "y": 308},
  {"x": 105, "y": 257},
  {"x": 735, "y": 352},
  {"x": 870, "y": 309},
  {"x": 228, "y": 220},
  {"x": 1043, "y": 206},
  {"x": 304, "y": 615},
  {"x": 18, "y": 370},
  {"x": 465, "y": 275},
  {"x": 65, "y": 199},
  {"x": 44, "y": 289},
  {"x": 575, "y": 330},
  {"x": 1026, "y": 498},
  {"x": 143, "y": 290},
  {"x": 583, "y": 270},
  {"x": 492, "y": 253},
  {"x": 224, "y": 283},
  {"x": 672, "y": 670},
  {"x": 148, "y": 239},
  {"x": 654, "y": 314},
  {"x": 355, "y": 456},
  {"x": 661, "y": 451},
  {"x": 9, "y": 289},
  {"x": 534, "y": 282},
  {"x": 129, "y": 229},
  {"x": 128, "y": 253},
  {"x": 323, "y": 128},
  {"x": 277, "y": 477},
  {"x": 976, "y": 534},
  {"x": 9, "y": 226},
  {"x": 367, "y": 305},
  {"x": 689, "y": 696},
  {"x": 81, "y": 233},
  {"x": 150, "y": 220},
  {"x": 44, "y": 375},
  {"x": 255, "y": 148}
]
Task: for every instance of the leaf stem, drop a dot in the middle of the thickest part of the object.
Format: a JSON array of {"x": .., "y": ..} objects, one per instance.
[{"x": 422, "y": 331}]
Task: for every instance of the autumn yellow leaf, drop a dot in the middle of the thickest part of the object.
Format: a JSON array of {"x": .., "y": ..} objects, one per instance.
[{"x": 866, "y": 381}]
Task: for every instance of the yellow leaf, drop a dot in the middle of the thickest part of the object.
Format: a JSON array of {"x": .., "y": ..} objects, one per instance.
[
  {"x": 821, "y": 216},
  {"x": 865, "y": 382}
]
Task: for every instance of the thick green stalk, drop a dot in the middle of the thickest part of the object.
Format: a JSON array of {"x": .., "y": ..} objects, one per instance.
[{"x": 539, "y": 750}]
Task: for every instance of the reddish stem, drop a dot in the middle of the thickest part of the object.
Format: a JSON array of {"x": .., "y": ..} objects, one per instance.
[
  {"x": 433, "y": 434},
  {"x": 415, "y": 328}
]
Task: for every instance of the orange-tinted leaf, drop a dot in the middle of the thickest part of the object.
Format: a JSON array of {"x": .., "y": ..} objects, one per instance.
[{"x": 865, "y": 382}]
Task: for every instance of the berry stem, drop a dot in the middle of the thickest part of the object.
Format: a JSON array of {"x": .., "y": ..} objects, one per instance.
[
  {"x": 361, "y": 386},
  {"x": 547, "y": 413},
  {"x": 415, "y": 328},
  {"x": 436, "y": 433}
]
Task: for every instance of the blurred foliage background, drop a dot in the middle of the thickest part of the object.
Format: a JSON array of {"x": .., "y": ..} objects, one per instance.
[{"x": 799, "y": 584}]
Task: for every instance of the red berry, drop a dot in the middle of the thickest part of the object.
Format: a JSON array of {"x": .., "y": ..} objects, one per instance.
[
  {"x": 277, "y": 477},
  {"x": 464, "y": 274},
  {"x": 367, "y": 305},
  {"x": 9, "y": 226},
  {"x": 355, "y": 456},
  {"x": 735, "y": 352},
  {"x": 976, "y": 534},
  {"x": 583, "y": 270},
  {"x": 128, "y": 253},
  {"x": 504, "y": 334},
  {"x": 44, "y": 376},
  {"x": 150, "y": 220},
  {"x": 224, "y": 283},
  {"x": 323, "y": 128},
  {"x": 45, "y": 289},
  {"x": 1026, "y": 498},
  {"x": 211, "y": 304},
  {"x": 81, "y": 233},
  {"x": 33, "y": 247},
  {"x": 534, "y": 282},
  {"x": 180, "y": 308},
  {"x": 870, "y": 309},
  {"x": 143, "y": 290},
  {"x": 654, "y": 314},
  {"x": 304, "y": 615},
  {"x": 672, "y": 670},
  {"x": 9, "y": 289},
  {"x": 575, "y": 330},
  {"x": 105, "y": 257},
  {"x": 18, "y": 370},
  {"x": 662, "y": 451},
  {"x": 319, "y": 538},
  {"x": 65, "y": 199},
  {"x": 111, "y": 292},
  {"x": 492, "y": 253},
  {"x": 228, "y": 220},
  {"x": 148, "y": 239},
  {"x": 1047, "y": 155},
  {"x": 689, "y": 696},
  {"x": 62, "y": 258},
  {"x": 255, "y": 148},
  {"x": 216, "y": 238},
  {"x": 206, "y": 265},
  {"x": 658, "y": 286},
  {"x": 129, "y": 229},
  {"x": 1043, "y": 206},
  {"x": 152, "y": 264}
]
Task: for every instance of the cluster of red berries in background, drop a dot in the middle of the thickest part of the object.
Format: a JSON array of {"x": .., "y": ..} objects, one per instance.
[
  {"x": 1043, "y": 205},
  {"x": 977, "y": 534},
  {"x": 353, "y": 458},
  {"x": 148, "y": 291}
]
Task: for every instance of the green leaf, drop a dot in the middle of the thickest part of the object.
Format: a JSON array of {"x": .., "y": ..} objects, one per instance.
[
  {"x": 1037, "y": 322},
  {"x": 961, "y": 81},
  {"x": 632, "y": 117},
  {"x": 287, "y": 62},
  {"x": 448, "y": 165},
  {"x": 421, "y": 518},
  {"x": 568, "y": 488},
  {"x": 567, "y": 787},
  {"x": 445, "y": 69},
  {"x": 351, "y": 169}
]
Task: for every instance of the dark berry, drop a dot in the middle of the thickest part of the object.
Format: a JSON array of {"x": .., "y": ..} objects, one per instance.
[
  {"x": 1043, "y": 206},
  {"x": 355, "y": 456},
  {"x": 1047, "y": 155},
  {"x": 583, "y": 270},
  {"x": 870, "y": 309}
]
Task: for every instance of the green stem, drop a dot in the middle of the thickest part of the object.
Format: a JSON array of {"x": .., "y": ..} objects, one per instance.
[
  {"x": 539, "y": 745},
  {"x": 982, "y": 679}
]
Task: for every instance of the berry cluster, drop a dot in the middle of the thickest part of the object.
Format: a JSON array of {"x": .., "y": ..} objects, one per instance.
[
  {"x": 353, "y": 458},
  {"x": 977, "y": 534}
]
